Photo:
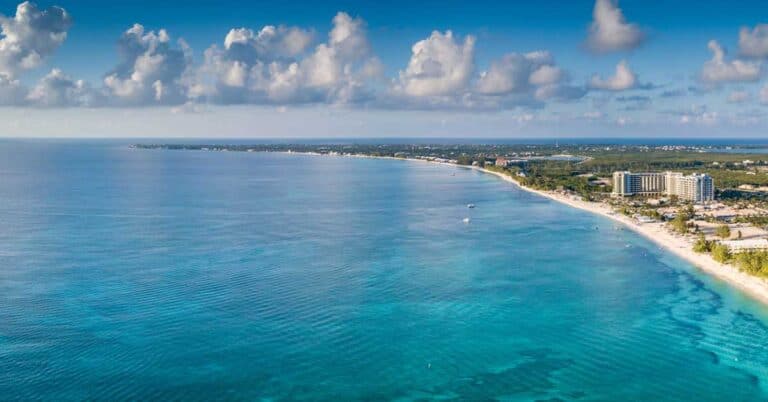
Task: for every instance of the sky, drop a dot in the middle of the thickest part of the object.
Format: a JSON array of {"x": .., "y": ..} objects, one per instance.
[{"x": 576, "y": 68}]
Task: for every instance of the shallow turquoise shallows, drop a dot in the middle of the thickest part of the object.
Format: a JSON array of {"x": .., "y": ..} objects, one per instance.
[{"x": 165, "y": 275}]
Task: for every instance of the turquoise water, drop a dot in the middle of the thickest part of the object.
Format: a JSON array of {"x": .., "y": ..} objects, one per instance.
[{"x": 165, "y": 275}]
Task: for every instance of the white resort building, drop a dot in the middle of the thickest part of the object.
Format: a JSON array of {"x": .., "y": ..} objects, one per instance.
[
  {"x": 740, "y": 246},
  {"x": 698, "y": 188}
]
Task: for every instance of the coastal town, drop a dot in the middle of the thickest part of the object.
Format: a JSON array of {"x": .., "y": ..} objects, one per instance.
[{"x": 707, "y": 205}]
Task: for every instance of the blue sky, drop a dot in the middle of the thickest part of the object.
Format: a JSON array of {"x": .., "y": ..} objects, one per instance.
[{"x": 343, "y": 68}]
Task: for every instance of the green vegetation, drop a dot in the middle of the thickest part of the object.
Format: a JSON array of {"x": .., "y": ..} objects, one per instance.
[
  {"x": 558, "y": 176},
  {"x": 654, "y": 160},
  {"x": 651, "y": 213},
  {"x": 756, "y": 220},
  {"x": 731, "y": 178},
  {"x": 753, "y": 262},
  {"x": 702, "y": 245},
  {"x": 723, "y": 231},
  {"x": 720, "y": 253},
  {"x": 680, "y": 222}
]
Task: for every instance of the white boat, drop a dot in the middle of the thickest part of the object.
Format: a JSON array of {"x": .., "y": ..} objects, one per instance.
[
  {"x": 470, "y": 205},
  {"x": 466, "y": 220}
]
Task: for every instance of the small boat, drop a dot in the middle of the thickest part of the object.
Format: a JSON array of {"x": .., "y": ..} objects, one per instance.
[
  {"x": 470, "y": 206},
  {"x": 466, "y": 220}
]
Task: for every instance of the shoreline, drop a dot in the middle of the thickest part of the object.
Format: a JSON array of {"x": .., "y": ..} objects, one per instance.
[{"x": 657, "y": 233}]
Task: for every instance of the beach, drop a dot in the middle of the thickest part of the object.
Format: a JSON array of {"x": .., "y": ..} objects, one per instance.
[{"x": 661, "y": 235}]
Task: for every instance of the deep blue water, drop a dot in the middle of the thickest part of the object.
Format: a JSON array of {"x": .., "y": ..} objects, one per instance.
[{"x": 180, "y": 275}]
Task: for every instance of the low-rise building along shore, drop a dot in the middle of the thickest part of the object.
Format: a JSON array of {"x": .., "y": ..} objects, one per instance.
[
  {"x": 697, "y": 188},
  {"x": 740, "y": 246}
]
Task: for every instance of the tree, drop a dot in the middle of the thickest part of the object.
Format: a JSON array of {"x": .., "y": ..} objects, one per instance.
[
  {"x": 464, "y": 160},
  {"x": 701, "y": 245},
  {"x": 723, "y": 231},
  {"x": 688, "y": 211},
  {"x": 680, "y": 223},
  {"x": 721, "y": 253}
]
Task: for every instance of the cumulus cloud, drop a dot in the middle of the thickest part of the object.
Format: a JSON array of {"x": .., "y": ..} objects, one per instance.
[
  {"x": 30, "y": 37},
  {"x": 59, "y": 90},
  {"x": 754, "y": 42},
  {"x": 270, "y": 43},
  {"x": 518, "y": 73},
  {"x": 282, "y": 65},
  {"x": 440, "y": 75},
  {"x": 151, "y": 70},
  {"x": 609, "y": 31},
  {"x": 439, "y": 65},
  {"x": 278, "y": 69},
  {"x": 11, "y": 91},
  {"x": 718, "y": 69},
  {"x": 622, "y": 79}
]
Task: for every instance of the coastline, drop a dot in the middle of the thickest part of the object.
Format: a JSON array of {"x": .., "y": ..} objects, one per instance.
[{"x": 756, "y": 288}]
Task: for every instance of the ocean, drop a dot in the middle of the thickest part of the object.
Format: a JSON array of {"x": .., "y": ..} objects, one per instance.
[{"x": 132, "y": 274}]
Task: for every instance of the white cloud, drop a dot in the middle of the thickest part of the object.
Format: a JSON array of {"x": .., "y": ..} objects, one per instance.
[
  {"x": 59, "y": 90},
  {"x": 11, "y": 91},
  {"x": 30, "y": 37},
  {"x": 546, "y": 75},
  {"x": 718, "y": 69},
  {"x": 270, "y": 43},
  {"x": 622, "y": 79},
  {"x": 438, "y": 66},
  {"x": 609, "y": 31},
  {"x": 754, "y": 43},
  {"x": 517, "y": 73},
  {"x": 151, "y": 71},
  {"x": 279, "y": 70},
  {"x": 439, "y": 75}
]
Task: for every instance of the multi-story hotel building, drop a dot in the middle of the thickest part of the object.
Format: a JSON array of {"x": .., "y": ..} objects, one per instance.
[{"x": 697, "y": 188}]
